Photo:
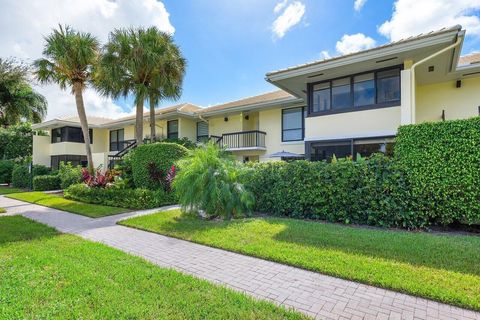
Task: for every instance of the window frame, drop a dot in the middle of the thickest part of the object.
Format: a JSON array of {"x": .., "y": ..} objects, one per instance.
[
  {"x": 199, "y": 137},
  {"x": 303, "y": 124},
  {"x": 175, "y": 132},
  {"x": 117, "y": 142},
  {"x": 352, "y": 108},
  {"x": 64, "y": 135},
  {"x": 65, "y": 158}
]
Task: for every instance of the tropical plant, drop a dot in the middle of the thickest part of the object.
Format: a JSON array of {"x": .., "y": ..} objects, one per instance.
[
  {"x": 16, "y": 141},
  {"x": 142, "y": 62},
  {"x": 70, "y": 56},
  {"x": 209, "y": 180},
  {"x": 18, "y": 101},
  {"x": 69, "y": 174}
]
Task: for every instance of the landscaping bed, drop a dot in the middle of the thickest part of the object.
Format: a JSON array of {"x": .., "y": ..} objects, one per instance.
[
  {"x": 439, "y": 267},
  {"x": 58, "y": 202},
  {"x": 56, "y": 276}
]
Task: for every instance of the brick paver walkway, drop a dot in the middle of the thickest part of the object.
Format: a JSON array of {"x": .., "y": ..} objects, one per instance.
[{"x": 317, "y": 295}]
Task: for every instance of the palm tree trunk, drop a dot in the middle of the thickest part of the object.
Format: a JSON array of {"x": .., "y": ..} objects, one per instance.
[
  {"x": 139, "y": 123},
  {"x": 152, "y": 121},
  {"x": 77, "y": 90}
]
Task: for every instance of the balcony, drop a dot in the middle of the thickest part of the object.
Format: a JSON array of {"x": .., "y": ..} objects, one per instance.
[{"x": 243, "y": 140}]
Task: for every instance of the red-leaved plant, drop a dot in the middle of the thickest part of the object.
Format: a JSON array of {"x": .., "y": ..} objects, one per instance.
[
  {"x": 98, "y": 179},
  {"x": 164, "y": 178}
]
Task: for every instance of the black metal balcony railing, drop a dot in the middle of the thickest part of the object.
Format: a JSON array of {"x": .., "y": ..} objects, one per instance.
[
  {"x": 120, "y": 145},
  {"x": 242, "y": 139}
]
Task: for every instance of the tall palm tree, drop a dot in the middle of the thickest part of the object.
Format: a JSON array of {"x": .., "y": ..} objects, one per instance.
[
  {"x": 139, "y": 62},
  {"x": 70, "y": 56},
  {"x": 18, "y": 100}
]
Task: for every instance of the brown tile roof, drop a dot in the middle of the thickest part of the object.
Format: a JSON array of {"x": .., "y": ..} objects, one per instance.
[
  {"x": 401, "y": 41},
  {"x": 469, "y": 59},
  {"x": 265, "y": 97},
  {"x": 183, "y": 107}
]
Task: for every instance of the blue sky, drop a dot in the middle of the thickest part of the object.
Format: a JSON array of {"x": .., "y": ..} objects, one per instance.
[{"x": 229, "y": 44}]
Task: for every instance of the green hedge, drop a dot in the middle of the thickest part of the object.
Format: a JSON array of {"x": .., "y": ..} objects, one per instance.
[
  {"x": 6, "y": 169},
  {"x": 21, "y": 176},
  {"x": 16, "y": 141},
  {"x": 163, "y": 155},
  {"x": 442, "y": 163},
  {"x": 69, "y": 174},
  {"x": 368, "y": 192},
  {"x": 124, "y": 198},
  {"x": 46, "y": 182}
]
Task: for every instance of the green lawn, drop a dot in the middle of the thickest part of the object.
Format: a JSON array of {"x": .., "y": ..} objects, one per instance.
[
  {"x": 8, "y": 190},
  {"x": 440, "y": 267},
  {"x": 2, "y": 210},
  {"x": 46, "y": 275},
  {"x": 60, "y": 203}
]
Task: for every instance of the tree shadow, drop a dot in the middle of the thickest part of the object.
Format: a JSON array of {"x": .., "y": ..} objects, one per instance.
[{"x": 18, "y": 228}]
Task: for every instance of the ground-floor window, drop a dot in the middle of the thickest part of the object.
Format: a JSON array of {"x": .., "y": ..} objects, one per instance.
[
  {"x": 75, "y": 160},
  {"x": 326, "y": 149},
  {"x": 172, "y": 129}
]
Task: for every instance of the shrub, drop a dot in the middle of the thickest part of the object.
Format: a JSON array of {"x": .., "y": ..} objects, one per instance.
[
  {"x": 441, "y": 162},
  {"x": 187, "y": 143},
  {"x": 116, "y": 197},
  {"x": 69, "y": 175},
  {"x": 16, "y": 141},
  {"x": 210, "y": 181},
  {"x": 46, "y": 182},
  {"x": 161, "y": 155},
  {"x": 21, "y": 174},
  {"x": 363, "y": 192},
  {"x": 6, "y": 168}
]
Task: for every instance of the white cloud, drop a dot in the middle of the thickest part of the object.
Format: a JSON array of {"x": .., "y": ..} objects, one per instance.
[
  {"x": 412, "y": 17},
  {"x": 358, "y": 4},
  {"x": 279, "y": 6},
  {"x": 353, "y": 43},
  {"x": 325, "y": 54},
  {"x": 27, "y": 22},
  {"x": 290, "y": 17}
]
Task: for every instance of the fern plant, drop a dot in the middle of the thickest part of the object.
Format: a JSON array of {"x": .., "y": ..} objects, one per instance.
[{"x": 209, "y": 180}]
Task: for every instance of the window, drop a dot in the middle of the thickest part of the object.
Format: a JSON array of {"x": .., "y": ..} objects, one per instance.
[
  {"x": 75, "y": 160},
  {"x": 172, "y": 129},
  {"x": 325, "y": 150},
  {"x": 117, "y": 139},
  {"x": 367, "y": 90},
  {"x": 202, "y": 131},
  {"x": 70, "y": 134},
  {"x": 292, "y": 124}
]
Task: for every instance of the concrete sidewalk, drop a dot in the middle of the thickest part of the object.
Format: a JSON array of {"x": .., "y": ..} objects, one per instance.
[{"x": 317, "y": 295}]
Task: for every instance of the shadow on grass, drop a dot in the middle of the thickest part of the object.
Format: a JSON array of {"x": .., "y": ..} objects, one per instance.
[
  {"x": 18, "y": 228},
  {"x": 449, "y": 252}
]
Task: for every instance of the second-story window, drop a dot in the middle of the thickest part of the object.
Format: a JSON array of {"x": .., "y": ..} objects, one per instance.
[
  {"x": 70, "y": 134},
  {"x": 292, "y": 124},
  {"x": 358, "y": 92},
  {"x": 202, "y": 131},
  {"x": 172, "y": 129},
  {"x": 117, "y": 139}
]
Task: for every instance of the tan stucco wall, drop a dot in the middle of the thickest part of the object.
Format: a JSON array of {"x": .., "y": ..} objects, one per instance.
[
  {"x": 458, "y": 103},
  {"x": 217, "y": 125},
  {"x": 375, "y": 122},
  {"x": 270, "y": 121},
  {"x": 187, "y": 128},
  {"x": 41, "y": 150}
]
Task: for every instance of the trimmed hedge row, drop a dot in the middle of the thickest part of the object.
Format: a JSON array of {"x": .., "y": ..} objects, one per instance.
[
  {"x": 442, "y": 164},
  {"x": 21, "y": 176},
  {"x": 370, "y": 192},
  {"x": 124, "y": 198},
  {"x": 6, "y": 169},
  {"x": 45, "y": 183},
  {"x": 160, "y": 155}
]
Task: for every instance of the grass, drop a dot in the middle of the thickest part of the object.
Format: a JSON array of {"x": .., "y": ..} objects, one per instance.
[
  {"x": 2, "y": 210},
  {"x": 8, "y": 190},
  {"x": 60, "y": 203},
  {"x": 46, "y": 275},
  {"x": 440, "y": 267}
]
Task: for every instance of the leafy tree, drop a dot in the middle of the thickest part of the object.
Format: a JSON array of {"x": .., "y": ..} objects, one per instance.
[
  {"x": 210, "y": 180},
  {"x": 70, "y": 56},
  {"x": 142, "y": 62},
  {"x": 18, "y": 101},
  {"x": 16, "y": 141}
]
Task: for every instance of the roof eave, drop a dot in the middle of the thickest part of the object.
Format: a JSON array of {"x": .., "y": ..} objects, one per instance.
[{"x": 255, "y": 106}]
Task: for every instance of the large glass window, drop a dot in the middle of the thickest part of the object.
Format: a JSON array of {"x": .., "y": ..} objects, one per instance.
[
  {"x": 172, "y": 129},
  {"x": 69, "y": 134},
  {"x": 117, "y": 139},
  {"x": 373, "y": 89},
  {"x": 75, "y": 160},
  {"x": 202, "y": 131},
  {"x": 292, "y": 124}
]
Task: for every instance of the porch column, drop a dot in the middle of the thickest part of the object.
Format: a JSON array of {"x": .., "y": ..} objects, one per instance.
[{"x": 406, "y": 110}]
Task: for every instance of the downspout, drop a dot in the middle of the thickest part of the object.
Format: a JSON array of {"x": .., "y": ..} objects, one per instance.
[{"x": 412, "y": 75}]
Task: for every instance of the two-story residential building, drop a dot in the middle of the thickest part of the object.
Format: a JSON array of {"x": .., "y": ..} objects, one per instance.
[{"x": 344, "y": 106}]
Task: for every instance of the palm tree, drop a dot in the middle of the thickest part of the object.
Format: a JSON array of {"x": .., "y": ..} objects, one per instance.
[
  {"x": 140, "y": 62},
  {"x": 69, "y": 60},
  {"x": 17, "y": 98}
]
